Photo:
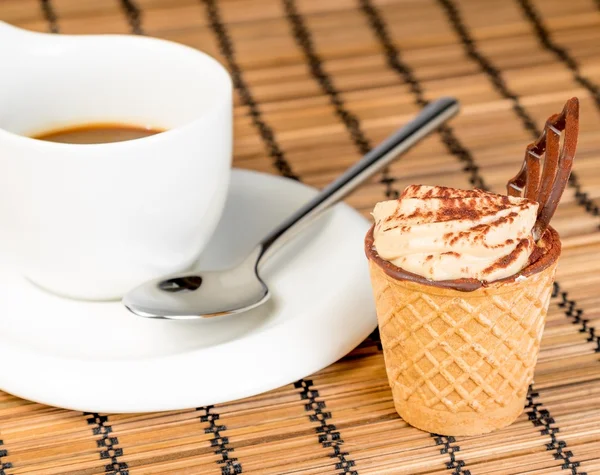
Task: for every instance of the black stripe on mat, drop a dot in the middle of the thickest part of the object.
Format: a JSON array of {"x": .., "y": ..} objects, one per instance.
[
  {"x": 395, "y": 62},
  {"x": 447, "y": 444},
  {"x": 375, "y": 337},
  {"x": 495, "y": 76},
  {"x": 454, "y": 17},
  {"x": 229, "y": 465},
  {"x": 134, "y": 16},
  {"x": 485, "y": 64},
  {"x": 227, "y": 50},
  {"x": 541, "y": 418},
  {"x": 329, "y": 435},
  {"x": 303, "y": 38},
  {"x": 545, "y": 39},
  {"x": 575, "y": 313},
  {"x": 108, "y": 444},
  {"x": 3, "y": 465},
  {"x": 50, "y": 15}
]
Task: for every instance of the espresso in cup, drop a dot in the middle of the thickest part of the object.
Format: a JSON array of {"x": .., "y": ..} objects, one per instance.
[{"x": 97, "y": 133}]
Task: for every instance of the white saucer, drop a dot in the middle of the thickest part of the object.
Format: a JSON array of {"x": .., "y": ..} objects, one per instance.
[{"x": 98, "y": 357}]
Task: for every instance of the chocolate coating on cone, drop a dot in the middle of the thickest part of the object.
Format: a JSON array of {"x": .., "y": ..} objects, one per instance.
[{"x": 546, "y": 253}]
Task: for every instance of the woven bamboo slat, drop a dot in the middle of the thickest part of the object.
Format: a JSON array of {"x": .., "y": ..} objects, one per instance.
[{"x": 329, "y": 79}]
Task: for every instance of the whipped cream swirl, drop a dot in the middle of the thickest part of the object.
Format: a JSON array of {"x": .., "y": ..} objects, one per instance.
[{"x": 444, "y": 234}]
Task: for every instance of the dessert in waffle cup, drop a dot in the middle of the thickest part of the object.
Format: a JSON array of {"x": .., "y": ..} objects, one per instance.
[{"x": 460, "y": 354}]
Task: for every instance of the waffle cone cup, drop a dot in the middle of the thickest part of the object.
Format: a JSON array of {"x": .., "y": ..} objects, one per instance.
[{"x": 460, "y": 362}]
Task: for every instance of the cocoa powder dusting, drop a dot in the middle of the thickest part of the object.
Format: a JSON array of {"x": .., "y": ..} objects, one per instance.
[
  {"x": 428, "y": 194},
  {"x": 538, "y": 251},
  {"x": 504, "y": 200},
  {"x": 507, "y": 260},
  {"x": 457, "y": 213},
  {"x": 453, "y": 205},
  {"x": 458, "y": 236},
  {"x": 481, "y": 228},
  {"x": 544, "y": 254},
  {"x": 449, "y": 208}
]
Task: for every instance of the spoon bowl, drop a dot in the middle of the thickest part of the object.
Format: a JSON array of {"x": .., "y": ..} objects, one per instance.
[{"x": 221, "y": 293}]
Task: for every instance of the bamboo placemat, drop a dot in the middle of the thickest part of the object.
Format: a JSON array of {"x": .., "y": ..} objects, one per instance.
[{"x": 318, "y": 82}]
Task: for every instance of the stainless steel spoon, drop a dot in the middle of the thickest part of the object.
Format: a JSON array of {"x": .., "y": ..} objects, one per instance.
[{"x": 200, "y": 294}]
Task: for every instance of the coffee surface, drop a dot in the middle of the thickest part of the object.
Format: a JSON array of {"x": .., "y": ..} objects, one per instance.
[{"x": 97, "y": 133}]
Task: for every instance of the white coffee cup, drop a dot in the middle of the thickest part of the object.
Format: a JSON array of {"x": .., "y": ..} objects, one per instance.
[{"x": 92, "y": 221}]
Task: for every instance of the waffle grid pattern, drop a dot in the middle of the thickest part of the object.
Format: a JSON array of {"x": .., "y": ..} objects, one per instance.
[{"x": 464, "y": 352}]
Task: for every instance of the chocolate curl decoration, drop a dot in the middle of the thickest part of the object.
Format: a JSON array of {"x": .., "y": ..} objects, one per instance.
[{"x": 547, "y": 188}]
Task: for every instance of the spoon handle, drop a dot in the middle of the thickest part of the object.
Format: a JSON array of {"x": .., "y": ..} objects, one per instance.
[{"x": 432, "y": 116}]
